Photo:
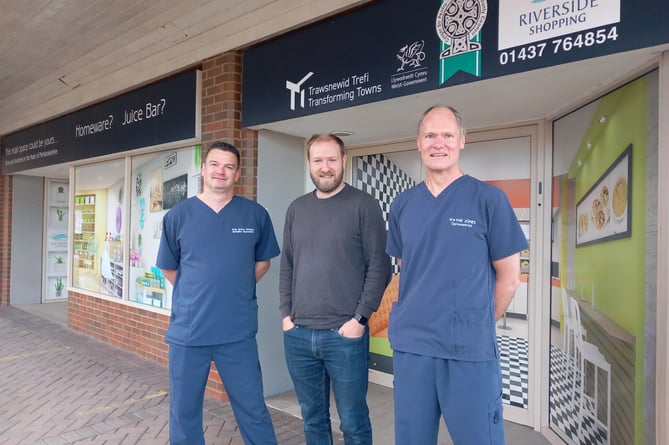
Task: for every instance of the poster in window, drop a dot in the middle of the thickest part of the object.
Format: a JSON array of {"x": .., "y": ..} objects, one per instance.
[
  {"x": 156, "y": 191},
  {"x": 604, "y": 213},
  {"x": 174, "y": 191}
]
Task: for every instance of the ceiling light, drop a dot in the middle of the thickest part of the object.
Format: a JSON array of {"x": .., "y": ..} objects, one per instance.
[
  {"x": 602, "y": 119},
  {"x": 579, "y": 163},
  {"x": 588, "y": 145},
  {"x": 341, "y": 133}
]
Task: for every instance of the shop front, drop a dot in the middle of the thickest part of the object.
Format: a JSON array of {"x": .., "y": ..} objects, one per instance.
[
  {"x": 574, "y": 173},
  {"x": 563, "y": 105},
  {"x": 86, "y": 218},
  {"x": 127, "y": 160}
]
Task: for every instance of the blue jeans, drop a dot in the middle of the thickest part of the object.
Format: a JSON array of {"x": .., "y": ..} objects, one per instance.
[{"x": 317, "y": 357}]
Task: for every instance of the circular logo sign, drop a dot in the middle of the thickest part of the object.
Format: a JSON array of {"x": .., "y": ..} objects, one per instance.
[{"x": 458, "y": 21}]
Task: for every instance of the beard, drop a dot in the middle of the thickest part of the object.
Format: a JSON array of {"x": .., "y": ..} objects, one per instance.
[{"x": 326, "y": 185}]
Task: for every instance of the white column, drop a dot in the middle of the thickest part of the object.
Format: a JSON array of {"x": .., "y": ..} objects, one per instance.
[{"x": 662, "y": 379}]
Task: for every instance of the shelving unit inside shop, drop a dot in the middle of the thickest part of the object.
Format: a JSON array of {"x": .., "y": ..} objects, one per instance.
[{"x": 85, "y": 243}]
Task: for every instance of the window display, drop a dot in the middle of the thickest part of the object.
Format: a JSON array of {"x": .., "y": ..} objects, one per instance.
[
  {"x": 160, "y": 182},
  {"x": 97, "y": 260},
  {"x": 85, "y": 245},
  {"x": 106, "y": 211},
  {"x": 605, "y": 250}
]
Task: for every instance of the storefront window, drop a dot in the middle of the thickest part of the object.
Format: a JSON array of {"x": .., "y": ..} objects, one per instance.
[
  {"x": 403, "y": 170},
  {"x": 160, "y": 181},
  {"x": 97, "y": 263},
  {"x": 602, "y": 376}
]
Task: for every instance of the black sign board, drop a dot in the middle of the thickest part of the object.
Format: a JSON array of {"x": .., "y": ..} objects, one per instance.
[
  {"x": 394, "y": 48},
  {"x": 157, "y": 114}
]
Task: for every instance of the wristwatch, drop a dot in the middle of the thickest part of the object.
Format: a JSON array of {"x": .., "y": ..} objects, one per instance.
[{"x": 360, "y": 319}]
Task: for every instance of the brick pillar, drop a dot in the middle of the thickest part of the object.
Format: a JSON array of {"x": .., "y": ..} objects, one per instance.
[
  {"x": 222, "y": 120},
  {"x": 5, "y": 237},
  {"x": 222, "y": 114}
]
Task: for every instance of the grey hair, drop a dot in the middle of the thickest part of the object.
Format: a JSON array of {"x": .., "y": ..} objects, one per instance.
[{"x": 456, "y": 113}]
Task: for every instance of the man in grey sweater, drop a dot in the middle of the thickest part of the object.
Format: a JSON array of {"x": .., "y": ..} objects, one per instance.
[{"x": 334, "y": 271}]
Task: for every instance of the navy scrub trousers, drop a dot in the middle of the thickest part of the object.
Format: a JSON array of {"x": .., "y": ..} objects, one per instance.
[
  {"x": 239, "y": 367},
  {"x": 467, "y": 394}
]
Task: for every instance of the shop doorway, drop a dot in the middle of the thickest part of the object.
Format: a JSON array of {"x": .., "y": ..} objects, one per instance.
[{"x": 504, "y": 158}]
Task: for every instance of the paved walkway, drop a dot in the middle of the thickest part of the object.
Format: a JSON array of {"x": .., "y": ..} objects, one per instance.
[{"x": 58, "y": 387}]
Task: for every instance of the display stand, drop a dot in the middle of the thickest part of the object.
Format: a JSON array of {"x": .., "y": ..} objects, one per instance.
[
  {"x": 153, "y": 296},
  {"x": 85, "y": 243},
  {"x": 113, "y": 282}
]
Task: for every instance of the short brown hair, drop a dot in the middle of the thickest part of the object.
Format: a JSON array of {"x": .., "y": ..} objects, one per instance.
[{"x": 326, "y": 137}]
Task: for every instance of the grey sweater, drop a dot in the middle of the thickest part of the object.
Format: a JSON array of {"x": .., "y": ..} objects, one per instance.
[{"x": 333, "y": 261}]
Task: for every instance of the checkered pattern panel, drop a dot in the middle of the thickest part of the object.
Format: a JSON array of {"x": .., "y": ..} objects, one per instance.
[
  {"x": 564, "y": 402},
  {"x": 513, "y": 361},
  {"x": 383, "y": 179}
]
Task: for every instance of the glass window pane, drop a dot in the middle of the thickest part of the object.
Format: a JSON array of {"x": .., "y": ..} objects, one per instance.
[
  {"x": 604, "y": 267},
  {"x": 98, "y": 220},
  {"x": 160, "y": 181}
]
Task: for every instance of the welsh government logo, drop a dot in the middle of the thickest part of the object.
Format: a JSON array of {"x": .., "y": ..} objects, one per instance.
[
  {"x": 296, "y": 89},
  {"x": 458, "y": 22},
  {"x": 411, "y": 55}
]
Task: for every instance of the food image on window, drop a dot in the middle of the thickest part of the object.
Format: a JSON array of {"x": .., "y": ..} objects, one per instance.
[
  {"x": 620, "y": 197},
  {"x": 599, "y": 214},
  {"x": 583, "y": 223},
  {"x": 604, "y": 196}
]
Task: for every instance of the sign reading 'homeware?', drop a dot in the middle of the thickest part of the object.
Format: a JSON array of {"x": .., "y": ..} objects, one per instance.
[{"x": 157, "y": 114}]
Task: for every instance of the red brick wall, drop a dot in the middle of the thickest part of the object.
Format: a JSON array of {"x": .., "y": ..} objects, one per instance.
[
  {"x": 5, "y": 236},
  {"x": 134, "y": 329},
  {"x": 143, "y": 331}
]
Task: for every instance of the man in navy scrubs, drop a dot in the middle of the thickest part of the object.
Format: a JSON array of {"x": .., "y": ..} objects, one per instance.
[
  {"x": 457, "y": 240},
  {"x": 214, "y": 248}
]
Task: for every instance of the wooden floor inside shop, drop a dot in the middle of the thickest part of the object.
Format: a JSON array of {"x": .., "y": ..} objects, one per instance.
[{"x": 86, "y": 278}]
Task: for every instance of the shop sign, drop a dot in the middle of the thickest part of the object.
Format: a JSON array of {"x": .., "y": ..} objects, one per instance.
[
  {"x": 530, "y": 22},
  {"x": 157, "y": 114},
  {"x": 396, "y": 48}
]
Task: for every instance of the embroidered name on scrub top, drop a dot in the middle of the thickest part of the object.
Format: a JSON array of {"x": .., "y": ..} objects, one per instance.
[
  {"x": 461, "y": 222},
  {"x": 243, "y": 230}
]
